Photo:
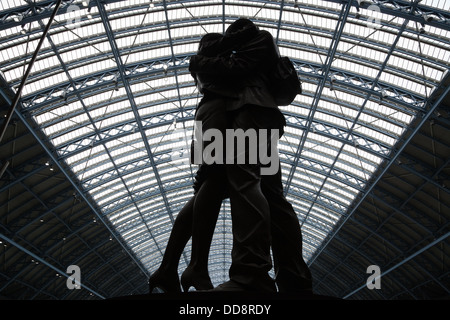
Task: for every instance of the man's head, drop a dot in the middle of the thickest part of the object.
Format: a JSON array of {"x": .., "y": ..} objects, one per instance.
[{"x": 242, "y": 27}]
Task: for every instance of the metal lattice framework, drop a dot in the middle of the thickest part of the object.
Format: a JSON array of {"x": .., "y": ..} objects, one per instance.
[{"x": 110, "y": 91}]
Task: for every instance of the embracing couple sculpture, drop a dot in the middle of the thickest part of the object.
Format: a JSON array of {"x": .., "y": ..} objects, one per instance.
[{"x": 232, "y": 71}]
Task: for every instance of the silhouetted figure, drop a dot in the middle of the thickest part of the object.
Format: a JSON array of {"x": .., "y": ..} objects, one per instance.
[
  {"x": 260, "y": 212},
  {"x": 243, "y": 101},
  {"x": 196, "y": 274}
]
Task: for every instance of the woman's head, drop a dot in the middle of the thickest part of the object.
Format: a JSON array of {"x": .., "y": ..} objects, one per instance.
[{"x": 209, "y": 44}]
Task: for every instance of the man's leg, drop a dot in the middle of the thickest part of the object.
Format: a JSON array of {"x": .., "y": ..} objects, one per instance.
[
  {"x": 251, "y": 260},
  {"x": 291, "y": 272}
]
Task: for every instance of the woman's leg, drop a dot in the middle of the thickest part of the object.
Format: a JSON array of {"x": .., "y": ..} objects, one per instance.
[
  {"x": 166, "y": 276},
  {"x": 180, "y": 235},
  {"x": 207, "y": 202},
  {"x": 206, "y": 210},
  {"x": 207, "y": 205}
]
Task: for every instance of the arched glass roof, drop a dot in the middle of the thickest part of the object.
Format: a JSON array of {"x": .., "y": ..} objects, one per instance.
[{"x": 111, "y": 92}]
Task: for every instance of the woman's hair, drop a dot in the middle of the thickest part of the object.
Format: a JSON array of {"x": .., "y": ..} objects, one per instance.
[{"x": 210, "y": 45}]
